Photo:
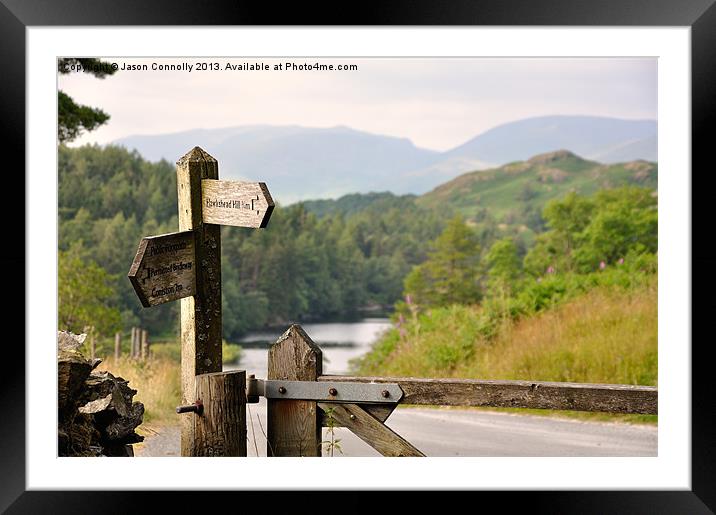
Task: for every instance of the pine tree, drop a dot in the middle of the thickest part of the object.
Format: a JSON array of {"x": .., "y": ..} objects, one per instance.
[
  {"x": 73, "y": 118},
  {"x": 451, "y": 273}
]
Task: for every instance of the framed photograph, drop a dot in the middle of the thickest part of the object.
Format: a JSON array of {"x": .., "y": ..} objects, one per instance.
[{"x": 456, "y": 207}]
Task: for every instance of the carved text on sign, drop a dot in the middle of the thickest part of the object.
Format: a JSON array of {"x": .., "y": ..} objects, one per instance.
[
  {"x": 163, "y": 269},
  {"x": 241, "y": 204}
]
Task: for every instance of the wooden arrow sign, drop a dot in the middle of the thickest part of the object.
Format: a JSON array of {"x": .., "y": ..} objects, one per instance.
[
  {"x": 163, "y": 269},
  {"x": 242, "y": 204}
]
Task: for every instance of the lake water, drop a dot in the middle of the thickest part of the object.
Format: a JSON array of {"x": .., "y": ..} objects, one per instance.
[{"x": 339, "y": 341}]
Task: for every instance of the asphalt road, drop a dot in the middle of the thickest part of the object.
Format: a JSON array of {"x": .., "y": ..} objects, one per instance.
[{"x": 453, "y": 432}]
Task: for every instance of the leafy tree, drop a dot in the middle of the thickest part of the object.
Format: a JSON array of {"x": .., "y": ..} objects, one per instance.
[
  {"x": 73, "y": 118},
  {"x": 450, "y": 275},
  {"x": 625, "y": 221},
  {"x": 504, "y": 268},
  {"x": 586, "y": 231},
  {"x": 566, "y": 219},
  {"x": 85, "y": 294}
]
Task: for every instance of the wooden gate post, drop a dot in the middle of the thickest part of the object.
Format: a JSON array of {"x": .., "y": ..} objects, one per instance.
[
  {"x": 294, "y": 427},
  {"x": 117, "y": 346},
  {"x": 201, "y": 312},
  {"x": 133, "y": 346},
  {"x": 220, "y": 429},
  {"x": 145, "y": 344}
]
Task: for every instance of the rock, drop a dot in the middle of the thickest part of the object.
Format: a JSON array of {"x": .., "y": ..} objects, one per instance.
[
  {"x": 72, "y": 371},
  {"x": 97, "y": 416}
]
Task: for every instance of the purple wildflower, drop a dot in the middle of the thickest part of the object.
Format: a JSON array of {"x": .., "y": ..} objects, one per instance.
[
  {"x": 602, "y": 265},
  {"x": 401, "y": 320}
]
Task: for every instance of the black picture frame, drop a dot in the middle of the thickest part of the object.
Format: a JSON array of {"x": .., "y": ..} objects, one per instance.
[{"x": 699, "y": 15}]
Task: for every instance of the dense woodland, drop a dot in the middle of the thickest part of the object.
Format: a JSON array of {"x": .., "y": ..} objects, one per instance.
[{"x": 326, "y": 259}]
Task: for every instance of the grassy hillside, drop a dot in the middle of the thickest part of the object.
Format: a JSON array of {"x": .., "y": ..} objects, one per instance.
[
  {"x": 515, "y": 193},
  {"x": 607, "y": 335}
]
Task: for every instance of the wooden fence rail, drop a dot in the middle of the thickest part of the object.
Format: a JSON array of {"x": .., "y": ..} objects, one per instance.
[{"x": 613, "y": 398}]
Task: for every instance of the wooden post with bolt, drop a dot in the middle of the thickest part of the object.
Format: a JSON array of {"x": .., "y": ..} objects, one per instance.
[{"x": 221, "y": 428}]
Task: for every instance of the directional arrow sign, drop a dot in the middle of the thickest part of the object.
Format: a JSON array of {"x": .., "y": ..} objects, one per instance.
[
  {"x": 164, "y": 269},
  {"x": 242, "y": 204}
]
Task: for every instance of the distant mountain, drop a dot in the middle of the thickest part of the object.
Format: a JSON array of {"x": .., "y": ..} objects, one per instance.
[
  {"x": 607, "y": 140},
  {"x": 298, "y": 162},
  {"x": 640, "y": 149},
  {"x": 308, "y": 163},
  {"x": 516, "y": 193}
]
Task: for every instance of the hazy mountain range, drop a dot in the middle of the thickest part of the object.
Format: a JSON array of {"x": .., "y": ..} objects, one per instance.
[{"x": 300, "y": 163}]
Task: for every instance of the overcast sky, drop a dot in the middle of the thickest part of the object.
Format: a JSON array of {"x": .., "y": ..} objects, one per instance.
[{"x": 437, "y": 103}]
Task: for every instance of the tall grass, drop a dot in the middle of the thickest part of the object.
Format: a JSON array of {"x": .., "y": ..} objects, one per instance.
[
  {"x": 157, "y": 381},
  {"x": 604, "y": 336}
]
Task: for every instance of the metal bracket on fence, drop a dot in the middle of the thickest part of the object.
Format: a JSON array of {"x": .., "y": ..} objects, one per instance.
[{"x": 324, "y": 391}]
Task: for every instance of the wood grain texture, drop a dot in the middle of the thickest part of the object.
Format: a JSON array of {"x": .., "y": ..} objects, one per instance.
[
  {"x": 201, "y": 313},
  {"x": 164, "y": 268},
  {"x": 221, "y": 428},
  {"x": 294, "y": 427},
  {"x": 241, "y": 204},
  {"x": 380, "y": 412},
  {"x": 371, "y": 430},
  {"x": 521, "y": 394}
]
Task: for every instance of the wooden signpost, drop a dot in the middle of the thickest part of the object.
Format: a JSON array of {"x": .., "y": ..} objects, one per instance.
[
  {"x": 164, "y": 268},
  {"x": 186, "y": 265}
]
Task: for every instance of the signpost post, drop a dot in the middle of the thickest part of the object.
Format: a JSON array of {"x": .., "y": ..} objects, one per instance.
[{"x": 186, "y": 265}]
